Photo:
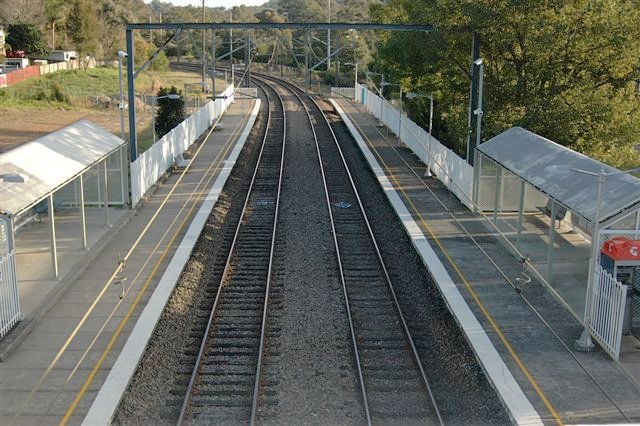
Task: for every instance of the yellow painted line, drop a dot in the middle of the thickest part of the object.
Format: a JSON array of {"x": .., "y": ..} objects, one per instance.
[
  {"x": 135, "y": 303},
  {"x": 466, "y": 282}
]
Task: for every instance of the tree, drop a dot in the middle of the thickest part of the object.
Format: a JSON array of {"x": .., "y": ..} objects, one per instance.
[
  {"x": 170, "y": 111},
  {"x": 565, "y": 70},
  {"x": 82, "y": 25},
  {"x": 27, "y": 37},
  {"x": 54, "y": 15}
]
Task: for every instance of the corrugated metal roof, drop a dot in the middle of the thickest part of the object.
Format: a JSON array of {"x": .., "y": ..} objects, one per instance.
[
  {"x": 51, "y": 161},
  {"x": 548, "y": 166}
]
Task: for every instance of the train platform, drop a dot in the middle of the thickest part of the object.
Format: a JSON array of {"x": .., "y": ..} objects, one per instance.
[
  {"x": 57, "y": 359},
  {"x": 564, "y": 386}
]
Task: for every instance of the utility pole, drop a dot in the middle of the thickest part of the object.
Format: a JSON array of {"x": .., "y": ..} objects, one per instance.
[
  {"x": 247, "y": 58},
  {"x": 473, "y": 96},
  {"x": 203, "y": 51},
  {"x": 329, "y": 41},
  {"x": 307, "y": 76},
  {"x": 213, "y": 62},
  {"x": 233, "y": 81}
]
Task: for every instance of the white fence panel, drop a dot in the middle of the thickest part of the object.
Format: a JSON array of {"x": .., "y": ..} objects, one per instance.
[
  {"x": 448, "y": 167},
  {"x": 149, "y": 166},
  {"x": 9, "y": 300},
  {"x": 345, "y": 92},
  {"x": 607, "y": 311}
]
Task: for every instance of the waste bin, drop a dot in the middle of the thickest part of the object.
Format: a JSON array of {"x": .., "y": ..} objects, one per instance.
[{"x": 621, "y": 258}]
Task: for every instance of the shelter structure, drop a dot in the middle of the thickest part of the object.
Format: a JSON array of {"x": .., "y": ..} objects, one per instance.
[
  {"x": 522, "y": 178},
  {"x": 79, "y": 167}
]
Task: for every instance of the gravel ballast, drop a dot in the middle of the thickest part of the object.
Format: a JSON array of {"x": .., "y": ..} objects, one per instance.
[
  {"x": 316, "y": 383},
  {"x": 461, "y": 389},
  {"x": 153, "y": 397}
]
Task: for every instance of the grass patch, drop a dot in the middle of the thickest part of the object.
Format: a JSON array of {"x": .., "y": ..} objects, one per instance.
[{"x": 78, "y": 89}]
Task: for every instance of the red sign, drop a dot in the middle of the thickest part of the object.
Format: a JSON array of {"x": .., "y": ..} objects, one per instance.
[{"x": 620, "y": 248}]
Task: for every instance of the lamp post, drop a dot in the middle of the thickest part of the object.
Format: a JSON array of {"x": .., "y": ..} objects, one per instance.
[
  {"x": 155, "y": 102},
  {"x": 355, "y": 80},
  {"x": 412, "y": 95},
  {"x": 584, "y": 342},
  {"x": 480, "y": 63},
  {"x": 121, "y": 56}
]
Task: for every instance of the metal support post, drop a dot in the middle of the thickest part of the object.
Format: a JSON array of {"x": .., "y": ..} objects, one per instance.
[
  {"x": 233, "y": 81},
  {"x": 520, "y": 212},
  {"x": 496, "y": 208},
  {"x": 52, "y": 235},
  {"x": 83, "y": 218},
  {"x": 479, "y": 112},
  {"x": 247, "y": 57},
  {"x": 203, "y": 50},
  {"x": 307, "y": 76},
  {"x": 552, "y": 239},
  {"x": 329, "y": 40},
  {"x": 584, "y": 342},
  {"x": 213, "y": 63},
  {"x": 381, "y": 93},
  {"x": 476, "y": 180},
  {"x": 133, "y": 137},
  {"x": 106, "y": 192},
  {"x": 429, "y": 155},
  {"x": 400, "y": 117},
  {"x": 475, "y": 55}
]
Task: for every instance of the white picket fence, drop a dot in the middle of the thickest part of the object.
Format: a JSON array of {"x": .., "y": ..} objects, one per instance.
[
  {"x": 607, "y": 311},
  {"x": 9, "y": 299},
  {"x": 448, "y": 167},
  {"x": 148, "y": 168}
]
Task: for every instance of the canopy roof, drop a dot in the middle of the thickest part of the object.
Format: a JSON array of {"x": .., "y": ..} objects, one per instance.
[
  {"x": 549, "y": 166},
  {"x": 33, "y": 170}
]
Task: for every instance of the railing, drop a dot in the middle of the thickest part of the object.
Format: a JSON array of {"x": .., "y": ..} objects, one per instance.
[
  {"x": 9, "y": 299},
  {"x": 148, "y": 168},
  {"x": 607, "y": 312},
  {"x": 448, "y": 167}
]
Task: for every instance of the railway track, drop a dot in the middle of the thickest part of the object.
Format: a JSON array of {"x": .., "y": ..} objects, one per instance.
[
  {"x": 393, "y": 383},
  {"x": 226, "y": 380},
  {"x": 223, "y": 386}
]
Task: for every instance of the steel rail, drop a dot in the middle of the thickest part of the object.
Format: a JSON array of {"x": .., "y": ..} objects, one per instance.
[
  {"x": 225, "y": 273},
  {"x": 339, "y": 259},
  {"x": 405, "y": 327},
  {"x": 256, "y": 386}
]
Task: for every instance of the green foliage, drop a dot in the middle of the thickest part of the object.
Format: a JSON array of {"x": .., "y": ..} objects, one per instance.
[
  {"x": 170, "y": 111},
  {"x": 161, "y": 63},
  {"x": 55, "y": 12},
  {"x": 27, "y": 37},
  {"x": 565, "y": 70},
  {"x": 82, "y": 24}
]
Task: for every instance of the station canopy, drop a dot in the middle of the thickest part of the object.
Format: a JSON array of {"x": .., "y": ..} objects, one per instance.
[
  {"x": 549, "y": 167},
  {"x": 32, "y": 171}
]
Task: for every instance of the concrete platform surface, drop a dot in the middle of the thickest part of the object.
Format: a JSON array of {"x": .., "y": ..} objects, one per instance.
[
  {"x": 52, "y": 370},
  {"x": 532, "y": 331}
]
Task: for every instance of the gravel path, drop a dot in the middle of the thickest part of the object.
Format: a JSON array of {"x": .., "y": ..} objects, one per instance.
[{"x": 316, "y": 383}]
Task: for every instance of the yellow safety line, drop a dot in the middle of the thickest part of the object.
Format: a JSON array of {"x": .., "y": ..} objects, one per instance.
[
  {"x": 467, "y": 284},
  {"x": 126, "y": 318}
]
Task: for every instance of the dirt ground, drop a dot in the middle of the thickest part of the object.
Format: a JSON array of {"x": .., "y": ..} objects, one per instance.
[{"x": 18, "y": 127}]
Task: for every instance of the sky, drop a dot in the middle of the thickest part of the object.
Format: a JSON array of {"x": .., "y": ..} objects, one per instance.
[{"x": 216, "y": 3}]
